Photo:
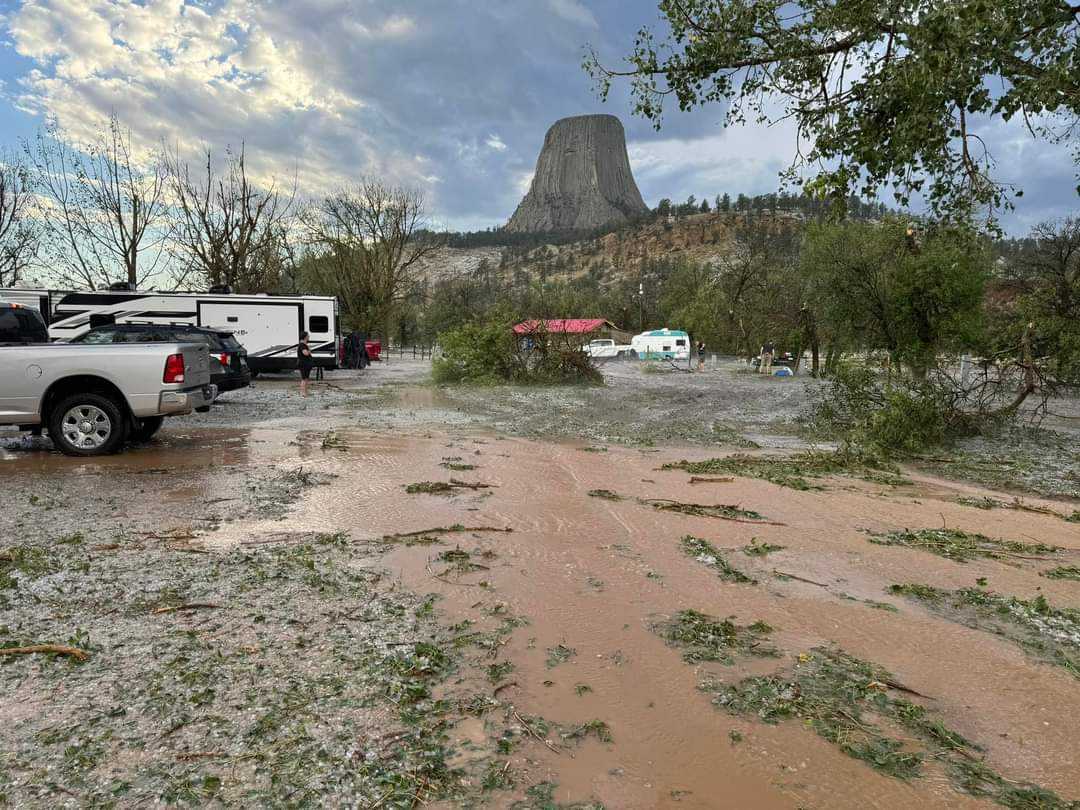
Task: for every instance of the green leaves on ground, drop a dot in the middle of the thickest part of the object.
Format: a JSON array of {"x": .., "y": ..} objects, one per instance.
[
  {"x": 705, "y": 638},
  {"x": 962, "y": 546},
  {"x": 1045, "y": 632},
  {"x": 706, "y": 553}
]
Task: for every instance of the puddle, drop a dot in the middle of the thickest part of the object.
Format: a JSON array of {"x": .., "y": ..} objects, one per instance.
[
  {"x": 169, "y": 451},
  {"x": 592, "y": 574}
]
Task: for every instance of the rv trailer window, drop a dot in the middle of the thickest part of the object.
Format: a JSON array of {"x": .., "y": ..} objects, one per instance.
[
  {"x": 233, "y": 319},
  {"x": 318, "y": 324},
  {"x": 667, "y": 348},
  {"x": 680, "y": 342}
]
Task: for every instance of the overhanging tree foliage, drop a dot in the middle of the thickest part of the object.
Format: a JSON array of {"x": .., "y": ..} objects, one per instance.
[{"x": 885, "y": 94}]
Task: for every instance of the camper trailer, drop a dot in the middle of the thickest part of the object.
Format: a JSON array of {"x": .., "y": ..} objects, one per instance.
[
  {"x": 269, "y": 326},
  {"x": 661, "y": 344}
]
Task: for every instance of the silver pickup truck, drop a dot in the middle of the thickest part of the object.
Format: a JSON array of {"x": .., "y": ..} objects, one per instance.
[{"x": 93, "y": 398}]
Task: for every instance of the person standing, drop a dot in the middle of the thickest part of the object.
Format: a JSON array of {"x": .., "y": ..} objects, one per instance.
[
  {"x": 361, "y": 350},
  {"x": 350, "y": 350},
  {"x": 701, "y": 355},
  {"x": 304, "y": 361},
  {"x": 767, "y": 351}
]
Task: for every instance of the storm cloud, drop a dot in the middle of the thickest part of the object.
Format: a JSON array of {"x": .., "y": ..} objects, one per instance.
[{"x": 449, "y": 95}]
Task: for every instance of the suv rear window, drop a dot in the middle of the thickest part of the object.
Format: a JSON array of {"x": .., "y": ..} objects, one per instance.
[
  {"x": 229, "y": 343},
  {"x": 19, "y": 325}
]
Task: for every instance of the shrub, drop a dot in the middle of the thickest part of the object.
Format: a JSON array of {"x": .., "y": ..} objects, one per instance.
[
  {"x": 896, "y": 416},
  {"x": 489, "y": 353}
]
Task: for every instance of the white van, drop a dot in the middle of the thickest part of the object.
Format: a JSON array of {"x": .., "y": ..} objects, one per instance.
[{"x": 662, "y": 344}]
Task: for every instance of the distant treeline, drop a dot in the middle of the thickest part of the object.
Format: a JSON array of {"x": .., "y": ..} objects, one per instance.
[{"x": 803, "y": 204}]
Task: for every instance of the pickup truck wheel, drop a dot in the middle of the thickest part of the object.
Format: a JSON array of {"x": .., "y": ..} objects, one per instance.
[
  {"x": 146, "y": 428},
  {"x": 86, "y": 425}
]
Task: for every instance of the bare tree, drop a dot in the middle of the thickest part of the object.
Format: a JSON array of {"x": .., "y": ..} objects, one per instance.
[
  {"x": 19, "y": 232},
  {"x": 228, "y": 228},
  {"x": 103, "y": 210},
  {"x": 369, "y": 244}
]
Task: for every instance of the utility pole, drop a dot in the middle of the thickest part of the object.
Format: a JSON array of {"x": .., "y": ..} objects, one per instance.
[{"x": 641, "y": 304}]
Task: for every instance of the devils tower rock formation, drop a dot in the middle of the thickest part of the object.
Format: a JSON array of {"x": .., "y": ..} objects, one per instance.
[{"x": 582, "y": 179}]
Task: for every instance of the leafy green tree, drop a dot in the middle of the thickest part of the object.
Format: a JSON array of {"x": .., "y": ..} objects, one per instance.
[
  {"x": 704, "y": 207},
  {"x": 724, "y": 203},
  {"x": 874, "y": 288},
  {"x": 888, "y": 94}
]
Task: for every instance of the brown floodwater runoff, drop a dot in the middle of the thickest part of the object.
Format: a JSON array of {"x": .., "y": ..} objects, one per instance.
[{"x": 591, "y": 574}]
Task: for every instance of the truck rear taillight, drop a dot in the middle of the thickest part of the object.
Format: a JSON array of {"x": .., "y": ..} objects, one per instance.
[
  {"x": 224, "y": 358},
  {"x": 174, "y": 369}
]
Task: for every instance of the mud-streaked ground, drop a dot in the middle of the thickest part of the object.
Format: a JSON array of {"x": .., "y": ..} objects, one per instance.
[{"x": 265, "y": 628}]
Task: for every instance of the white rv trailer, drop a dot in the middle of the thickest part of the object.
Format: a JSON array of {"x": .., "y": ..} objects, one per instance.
[
  {"x": 269, "y": 326},
  {"x": 662, "y": 344}
]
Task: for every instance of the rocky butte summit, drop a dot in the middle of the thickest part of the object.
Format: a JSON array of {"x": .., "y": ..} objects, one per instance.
[{"x": 582, "y": 181}]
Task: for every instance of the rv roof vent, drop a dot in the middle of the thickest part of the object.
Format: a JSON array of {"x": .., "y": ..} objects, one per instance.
[
  {"x": 122, "y": 286},
  {"x": 221, "y": 289}
]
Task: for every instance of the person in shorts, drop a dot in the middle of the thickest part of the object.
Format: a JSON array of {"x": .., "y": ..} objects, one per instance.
[
  {"x": 767, "y": 353},
  {"x": 305, "y": 362}
]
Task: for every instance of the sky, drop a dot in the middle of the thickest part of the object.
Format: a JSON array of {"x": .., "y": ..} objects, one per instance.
[{"x": 452, "y": 96}]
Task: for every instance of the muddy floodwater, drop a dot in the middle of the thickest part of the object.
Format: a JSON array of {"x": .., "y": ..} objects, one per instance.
[{"x": 552, "y": 571}]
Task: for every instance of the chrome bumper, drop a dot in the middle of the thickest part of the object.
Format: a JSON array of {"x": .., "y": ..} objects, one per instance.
[{"x": 181, "y": 402}]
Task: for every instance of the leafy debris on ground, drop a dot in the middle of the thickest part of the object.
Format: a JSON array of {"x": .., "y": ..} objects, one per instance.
[
  {"x": 706, "y": 553},
  {"x": 795, "y": 471},
  {"x": 756, "y": 548},
  {"x": 605, "y": 494},
  {"x": 1045, "y": 632},
  {"x": 844, "y": 700},
  {"x": 1017, "y": 504},
  {"x": 722, "y": 511},
  {"x": 559, "y": 654},
  {"x": 1063, "y": 572},
  {"x": 705, "y": 638},
  {"x": 962, "y": 546}
]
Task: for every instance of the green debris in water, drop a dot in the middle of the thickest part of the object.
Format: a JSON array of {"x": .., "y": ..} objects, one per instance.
[
  {"x": 1063, "y": 572},
  {"x": 722, "y": 511},
  {"x": 559, "y": 654},
  {"x": 795, "y": 471},
  {"x": 1016, "y": 504},
  {"x": 845, "y": 700},
  {"x": 596, "y": 728},
  {"x": 706, "y": 553},
  {"x": 605, "y": 494},
  {"x": 756, "y": 548},
  {"x": 429, "y": 487},
  {"x": 1045, "y": 632},
  {"x": 961, "y": 546},
  {"x": 705, "y": 638}
]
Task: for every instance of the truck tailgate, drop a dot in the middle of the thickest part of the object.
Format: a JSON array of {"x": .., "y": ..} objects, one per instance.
[{"x": 196, "y": 364}]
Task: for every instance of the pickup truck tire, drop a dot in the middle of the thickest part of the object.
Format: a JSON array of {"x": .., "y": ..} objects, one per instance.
[
  {"x": 87, "y": 425},
  {"x": 145, "y": 429}
]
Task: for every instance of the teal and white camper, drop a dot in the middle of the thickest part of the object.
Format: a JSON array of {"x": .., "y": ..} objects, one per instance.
[{"x": 662, "y": 344}]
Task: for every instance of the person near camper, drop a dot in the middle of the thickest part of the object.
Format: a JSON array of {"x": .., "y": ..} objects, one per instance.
[
  {"x": 350, "y": 350},
  {"x": 701, "y": 355},
  {"x": 304, "y": 361},
  {"x": 362, "y": 359},
  {"x": 767, "y": 352}
]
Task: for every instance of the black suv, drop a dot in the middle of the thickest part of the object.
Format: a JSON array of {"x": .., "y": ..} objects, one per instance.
[{"x": 228, "y": 359}]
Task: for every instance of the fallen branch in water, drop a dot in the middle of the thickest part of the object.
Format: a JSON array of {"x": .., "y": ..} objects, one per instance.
[
  {"x": 698, "y": 479},
  {"x": 800, "y": 579},
  {"x": 446, "y": 530},
  {"x": 55, "y": 649},
  {"x": 533, "y": 733}
]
